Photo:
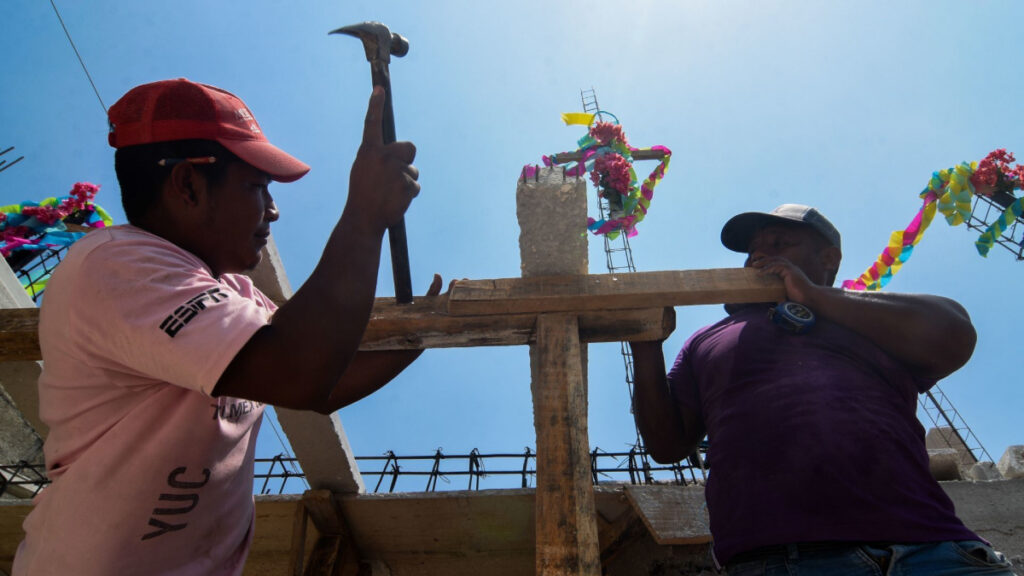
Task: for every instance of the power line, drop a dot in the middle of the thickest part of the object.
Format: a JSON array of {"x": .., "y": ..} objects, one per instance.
[{"x": 80, "y": 61}]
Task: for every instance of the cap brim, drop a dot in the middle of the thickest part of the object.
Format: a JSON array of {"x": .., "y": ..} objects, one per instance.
[
  {"x": 264, "y": 156},
  {"x": 739, "y": 230}
]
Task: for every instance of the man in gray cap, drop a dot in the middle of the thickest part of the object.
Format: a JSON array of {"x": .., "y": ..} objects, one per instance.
[{"x": 817, "y": 458}]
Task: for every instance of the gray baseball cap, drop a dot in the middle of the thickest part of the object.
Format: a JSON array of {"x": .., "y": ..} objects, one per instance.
[{"x": 739, "y": 230}]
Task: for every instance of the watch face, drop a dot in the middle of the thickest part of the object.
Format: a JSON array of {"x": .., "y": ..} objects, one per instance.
[
  {"x": 798, "y": 311},
  {"x": 793, "y": 317}
]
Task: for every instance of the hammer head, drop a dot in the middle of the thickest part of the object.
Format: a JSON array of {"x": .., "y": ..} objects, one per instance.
[{"x": 379, "y": 42}]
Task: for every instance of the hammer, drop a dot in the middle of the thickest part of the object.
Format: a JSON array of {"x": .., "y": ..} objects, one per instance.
[{"x": 380, "y": 43}]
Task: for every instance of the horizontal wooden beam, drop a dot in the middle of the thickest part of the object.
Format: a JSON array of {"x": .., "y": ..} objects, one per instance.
[
  {"x": 426, "y": 324},
  {"x": 589, "y": 293},
  {"x": 422, "y": 324},
  {"x": 19, "y": 334},
  {"x": 642, "y": 154},
  {"x": 502, "y": 312}
]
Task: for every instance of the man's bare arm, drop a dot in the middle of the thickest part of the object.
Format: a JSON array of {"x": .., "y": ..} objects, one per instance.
[
  {"x": 297, "y": 360},
  {"x": 931, "y": 335},
  {"x": 668, "y": 434}
]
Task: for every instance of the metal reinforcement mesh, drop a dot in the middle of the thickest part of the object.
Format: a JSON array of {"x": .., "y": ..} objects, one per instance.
[
  {"x": 33, "y": 268},
  {"x": 427, "y": 473}
]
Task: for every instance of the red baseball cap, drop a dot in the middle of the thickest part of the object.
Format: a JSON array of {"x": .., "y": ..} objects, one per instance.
[{"x": 184, "y": 110}]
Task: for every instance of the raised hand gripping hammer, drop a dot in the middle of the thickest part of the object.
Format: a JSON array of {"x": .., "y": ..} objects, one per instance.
[{"x": 380, "y": 44}]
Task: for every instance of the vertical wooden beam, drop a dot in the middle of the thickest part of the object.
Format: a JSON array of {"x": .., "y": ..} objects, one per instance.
[
  {"x": 552, "y": 214},
  {"x": 567, "y": 538}
]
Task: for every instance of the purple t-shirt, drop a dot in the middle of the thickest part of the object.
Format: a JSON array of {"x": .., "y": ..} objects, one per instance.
[{"x": 813, "y": 437}]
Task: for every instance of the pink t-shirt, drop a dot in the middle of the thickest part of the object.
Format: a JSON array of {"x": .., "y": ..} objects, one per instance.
[{"x": 151, "y": 475}]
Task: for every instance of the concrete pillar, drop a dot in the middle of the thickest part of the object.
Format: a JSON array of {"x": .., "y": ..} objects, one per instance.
[{"x": 552, "y": 215}]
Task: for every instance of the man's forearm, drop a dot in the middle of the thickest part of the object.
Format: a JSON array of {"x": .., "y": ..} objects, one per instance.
[
  {"x": 298, "y": 358},
  {"x": 931, "y": 335},
  {"x": 657, "y": 418},
  {"x": 368, "y": 372}
]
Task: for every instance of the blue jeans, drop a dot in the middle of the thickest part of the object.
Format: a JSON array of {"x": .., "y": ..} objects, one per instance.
[{"x": 930, "y": 559}]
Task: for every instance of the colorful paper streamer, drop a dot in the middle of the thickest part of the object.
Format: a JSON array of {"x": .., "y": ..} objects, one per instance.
[
  {"x": 949, "y": 192},
  {"x": 33, "y": 227},
  {"x": 599, "y": 150}
]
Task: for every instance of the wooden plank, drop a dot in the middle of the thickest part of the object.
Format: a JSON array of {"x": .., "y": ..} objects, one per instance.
[
  {"x": 563, "y": 157},
  {"x": 585, "y": 293},
  {"x": 455, "y": 533},
  {"x": 324, "y": 555},
  {"x": 427, "y": 324},
  {"x": 566, "y": 517},
  {"x": 299, "y": 530},
  {"x": 618, "y": 525},
  {"x": 673, "y": 514},
  {"x": 458, "y": 533},
  {"x": 12, "y": 515},
  {"x": 423, "y": 324},
  {"x": 19, "y": 334}
]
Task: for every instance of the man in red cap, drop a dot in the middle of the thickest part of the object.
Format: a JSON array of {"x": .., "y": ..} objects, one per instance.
[
  {"x": 817, "y": 460},
  {"x": 159, "y": 355}
]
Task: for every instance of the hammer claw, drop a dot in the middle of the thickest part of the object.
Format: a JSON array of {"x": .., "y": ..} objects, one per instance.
[{"x": 380, "y": 43}]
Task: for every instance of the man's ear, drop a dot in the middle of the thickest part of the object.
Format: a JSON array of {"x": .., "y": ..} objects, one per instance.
[
  {"x": 184, "y": 185},
  {"x": 831, "y": 257}
]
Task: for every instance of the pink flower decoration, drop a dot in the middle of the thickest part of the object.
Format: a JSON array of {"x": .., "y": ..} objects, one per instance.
[
  {"x": 997, "y": 170},
  {"x": 607, "y": 133},
  {"x": 84, "y": 190},
  {"x": 611, "y": 171},
  {"x": 46, "y": 214}
]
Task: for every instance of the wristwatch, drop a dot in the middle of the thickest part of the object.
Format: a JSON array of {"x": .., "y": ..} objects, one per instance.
[{"x": 792, "y": 317}]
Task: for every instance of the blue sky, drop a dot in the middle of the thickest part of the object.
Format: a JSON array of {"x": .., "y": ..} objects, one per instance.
[{"x": 847, "y": 106}]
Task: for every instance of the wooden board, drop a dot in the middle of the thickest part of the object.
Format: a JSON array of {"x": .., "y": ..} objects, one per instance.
[
  {"x": 423, "y": 324},
  {"x": 564, "y": 157},
  {"x": 426, "y": 323},
  {"x": 19, "y": 338},
  {"x": 12, "y": 514},
  {"x": 578, "y": 294},
  {"x": 567, "y": 539},
  {"x": 446, "y": 533},
  {"x": 455, "y": 533},
  {"x": 673, "y": 514}
]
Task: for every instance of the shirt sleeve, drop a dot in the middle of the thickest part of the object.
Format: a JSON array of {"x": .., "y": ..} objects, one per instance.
[
  {"x": 155, "y": 311},
  {"x": 683, "y": 384}
]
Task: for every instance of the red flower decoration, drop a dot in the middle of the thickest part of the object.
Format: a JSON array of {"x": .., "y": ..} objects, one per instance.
[
  {"x": 46, "y": 214},
  {"x": 84, "y": 191},
  {"x": 611, "y": 171},
  {"x": 997, "y": 171},
  {"x": 607, "y": 133}
]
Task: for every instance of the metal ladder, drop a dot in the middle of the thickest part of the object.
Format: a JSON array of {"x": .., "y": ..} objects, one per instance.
[
  {"x": 619, "y": 258},
  {"x": 589, "y": 98},
  {"x": 951, "y": 426}
]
